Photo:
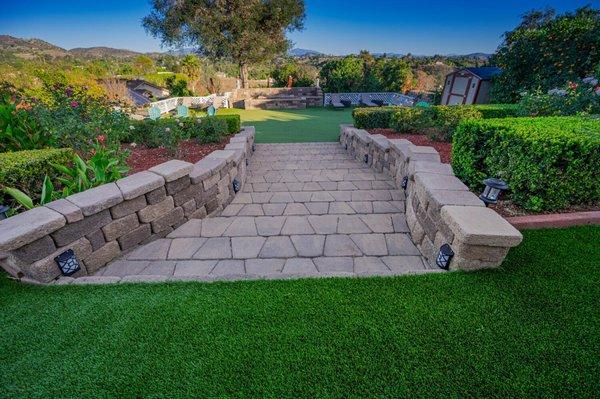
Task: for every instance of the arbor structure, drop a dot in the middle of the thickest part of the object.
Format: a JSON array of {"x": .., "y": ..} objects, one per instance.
[{"x": 244, "y": 31}]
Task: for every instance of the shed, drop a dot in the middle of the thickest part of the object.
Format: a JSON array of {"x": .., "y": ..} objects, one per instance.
[{"x": 469, "y": 86}]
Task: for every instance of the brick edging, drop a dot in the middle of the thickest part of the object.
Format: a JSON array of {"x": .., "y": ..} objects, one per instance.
[{"x": 555, "y": 220}]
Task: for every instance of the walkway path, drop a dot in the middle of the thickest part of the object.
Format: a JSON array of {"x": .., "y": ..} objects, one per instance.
[{"x": 306, "y": 210}]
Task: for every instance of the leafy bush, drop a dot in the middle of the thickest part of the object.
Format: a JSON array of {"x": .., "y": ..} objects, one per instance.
[
  {"x": 578, "y": 98},
  {"x": 373, "y": 118},
  {"x": 18, "y": 129},
  {"x": 446, "y": 118},
  {"x": 549, "y": 163},
  {"x": 234, "y": 123},
  {"x": 211, "y": 130},
  {"x": 491, "y": 111},
  {"x": 411, "y": 120},
  {"x": 25, "y": 170}
]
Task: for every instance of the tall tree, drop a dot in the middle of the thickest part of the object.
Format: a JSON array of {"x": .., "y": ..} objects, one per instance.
[
  {"x": 245, "y": 31},
  {"x": 546, "y": 50}
]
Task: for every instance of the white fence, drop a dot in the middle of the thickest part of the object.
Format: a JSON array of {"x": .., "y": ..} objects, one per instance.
[
  {"x": 355, "y": 98},
  {"x": 170, "y": 104}
]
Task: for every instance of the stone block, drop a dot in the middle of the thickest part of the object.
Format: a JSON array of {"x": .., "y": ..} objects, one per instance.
[
  {"x": 436, "y": 199},
  {"x": 128, "y": 207},
  {"x": 423, "y": 153},
  {"x": 480, "y": 226},
  {"x": 172, "y": 170},
  {"x": 46, "y": 269},
  {"x": 139, "y": 184},
  {"x": 28, "y": 227},
  {"x": 430, "y": 181},
  {"x": 205, "y": 168},
  {"x": 429, "y": 167},
  {"x": 187, "y": 194},
  {"x": 153, "y": 212},
  {"x": 156, "y": 196},
  {"x": 175, "y": 186},
  {"x": 480, "y": 252},
  {"x": 74, "y": 231},
  {"x": 96, "y": 238},
  {"x": 211, "y": 182},
  {"x": 35, "y": 251},
  {"x": 118, "y": 227},
  {"x": 170, "y": 219},
  {"x": 227, "y": 155},
  {"x": 69, "y": 210},
  {"x": 97, "y": 199},
  {"x": 189, "y": 207},
  {"x": 102, "y": 256}
]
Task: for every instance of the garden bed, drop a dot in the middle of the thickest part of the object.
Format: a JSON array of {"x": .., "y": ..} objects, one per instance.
[
  {"x": 445, "y": 149},
  {"x": 143, "y": 157}
]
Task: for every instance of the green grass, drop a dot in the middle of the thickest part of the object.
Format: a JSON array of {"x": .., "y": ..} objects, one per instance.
[
  {"x": 530, "y": 329},
  {"x": 294, "y": 126}
]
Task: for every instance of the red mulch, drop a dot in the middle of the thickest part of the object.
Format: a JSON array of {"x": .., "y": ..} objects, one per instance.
[
  {"x": 143, "y": 158},
  {"x": 445, "y": 149}
]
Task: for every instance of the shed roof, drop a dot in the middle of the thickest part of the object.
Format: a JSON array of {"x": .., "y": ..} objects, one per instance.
[{"x": 485, "y": 73}]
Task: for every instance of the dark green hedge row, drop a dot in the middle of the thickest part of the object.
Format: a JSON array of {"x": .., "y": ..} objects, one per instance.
[
  {"x": 25, "y": 170},
  {"x": 373, "y": 118},
  {"x": 550, "y": 163},
  {"x": 234, "y": 122}
]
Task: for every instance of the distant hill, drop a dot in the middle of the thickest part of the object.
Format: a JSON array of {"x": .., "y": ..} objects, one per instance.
[
  {"x": 30, "y": 47},
  {"x": 301, "y": 52},
  {"x": 102, "y": 52}
]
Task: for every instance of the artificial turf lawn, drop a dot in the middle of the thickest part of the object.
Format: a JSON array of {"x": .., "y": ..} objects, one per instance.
[
  {"x": 530, "y": 329},
  {"x": 294, "y": 126}
]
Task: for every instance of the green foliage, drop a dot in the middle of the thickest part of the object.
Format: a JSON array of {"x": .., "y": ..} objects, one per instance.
[
  {"x": 491, "y": 111},
  {"x": 177, "y": 86},
  {"x": 549, "y": 163},
  {"x": 576, "y": 99},
  {"x": 394, "y": 75},
  {"x": 26, "y": 201},
  {"x": 210, "y": 130},
  {"x": 234, "y": 123},
  {"x": 343, "y": 75},
  {"x": 411, "y": 119},
  {"x": 373, "y": 118},
  {"x": 18, "y": 129},
  {"x": 303, "y": 75},
  {"x": 25, "y": 170},
  {"x": 547, "y": 50},
  {"x": 143, "y": 65},
  {"x": 445, "y": 119},
  {"x": 74, "y": 119}
]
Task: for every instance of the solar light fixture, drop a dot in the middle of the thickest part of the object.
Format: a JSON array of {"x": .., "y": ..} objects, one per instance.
[
  {"x": 444, "y": 257},
  {"x": 4, "y": 212},
  {"x": 345, "y": 146},
  {"x": 404, "y": 183},
  {"x": 247, "y": 162},
  {"x": 366, "y": 158},
  {"x": 493, "y": 189},
  {"x": 253, "y": 147},
  {"x": 236, "y": 185},
  {"x": 67, "y": 263}
]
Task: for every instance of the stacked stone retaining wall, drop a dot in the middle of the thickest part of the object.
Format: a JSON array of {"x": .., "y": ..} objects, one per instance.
[
  {"x": 102, "y": 223},
  {"x": 440, "y": 209}
]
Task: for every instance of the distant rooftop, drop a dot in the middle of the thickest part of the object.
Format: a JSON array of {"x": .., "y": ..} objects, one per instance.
[{"x": 485, "y": 73}]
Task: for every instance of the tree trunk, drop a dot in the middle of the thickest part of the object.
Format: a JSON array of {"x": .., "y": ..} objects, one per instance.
[{"x": 244, "y": 75}]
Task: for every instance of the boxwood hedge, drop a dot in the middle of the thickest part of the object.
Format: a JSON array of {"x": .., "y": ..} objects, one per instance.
[
  {"x": 549, "y": 163},
  {"x": 25, "y": 170},
  {"x": 373, "y": 118}
]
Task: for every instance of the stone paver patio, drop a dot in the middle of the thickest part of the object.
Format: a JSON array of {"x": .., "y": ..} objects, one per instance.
[{"x": 306, "y": 210}]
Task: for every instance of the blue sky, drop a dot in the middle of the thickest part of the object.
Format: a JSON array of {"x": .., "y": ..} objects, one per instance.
[{"x": 332, "y": 26}]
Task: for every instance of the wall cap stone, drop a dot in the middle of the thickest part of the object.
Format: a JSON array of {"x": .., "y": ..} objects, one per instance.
[
  {"x": 228, "y": 155},
  {"x": 69, "y": 210},
  {"x": 97, "y": 199},
  {"x": 172, "y": 170},
  {"x": 205, "y": 168},
  {"x": 480, "y": 226},
  {"x": 139, "y": 184},
  {"x": 437, "y": 168},
  {"x": 29, "y": 226}
]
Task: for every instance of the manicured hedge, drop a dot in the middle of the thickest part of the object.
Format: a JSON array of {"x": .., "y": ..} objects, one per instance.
[
  {"x": 550, "y": 163},
  {"x": 25, "y": 170},
  {"x": 490, "y": 111},
  {"x": 373, "y": 118},
  {"x": 234, "y": 122}
]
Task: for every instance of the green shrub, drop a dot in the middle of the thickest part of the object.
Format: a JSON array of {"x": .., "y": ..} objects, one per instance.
[
  {"x": 25, "y": 170},
  {"x": 576, "y": 99},
  {"x": 446, "y": 118},
  {"x": 234, "y": 123},
  {"x": 491, "y": 111},
  {"x": 211, "y": 130},
  {"x": 373, "y": 118},
  {"x": 550, "y": 163},
  {"x": 410, "y": 120}
]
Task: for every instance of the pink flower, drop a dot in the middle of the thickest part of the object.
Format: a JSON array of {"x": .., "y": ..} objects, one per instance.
[
  {"x": 101, "y": 139},
  {"x": 74, "y": 104}
]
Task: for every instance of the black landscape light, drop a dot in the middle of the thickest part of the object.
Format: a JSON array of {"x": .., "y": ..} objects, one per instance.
[
  {"x": 4, "y": 212},
  {"x": 236, "y": 185},
  {"x": 345, "y": 146},
  {"x": 366, "y": 158},
  {"x": 404, "y": 183},
  {"x": 444, "y": 257},
  {"x": 247, "y": 162},
  {"x": 67, "y": 262},
  {"x": 253, "y": 147},
  {"x": 493, "y": 188}
]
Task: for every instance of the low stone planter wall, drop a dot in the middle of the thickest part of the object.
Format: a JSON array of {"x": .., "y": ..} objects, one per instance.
[
  {"x": 102, "y": 223},
  {"x": 440, "y": 209}
]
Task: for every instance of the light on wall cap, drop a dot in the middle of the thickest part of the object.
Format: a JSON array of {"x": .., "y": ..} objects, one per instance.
[
  {"x": 404, "y": 183},
  {"x": 444, "y": 257},
  {"x": 492, "y": 191},
  {"x": 4, "y": 212},
  {"x": 236, "y": 185},
  {"x": 67, "y": 263}
]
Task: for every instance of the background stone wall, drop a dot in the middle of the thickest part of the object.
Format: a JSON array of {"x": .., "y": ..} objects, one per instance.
[
  {"x": 102, "y": 223},
  {"x": 440, "y": 209}
]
